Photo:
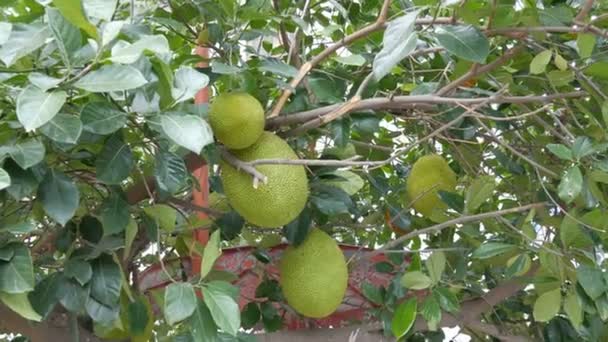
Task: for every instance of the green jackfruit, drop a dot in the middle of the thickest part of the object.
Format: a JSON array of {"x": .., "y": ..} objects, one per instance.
[
  {"x": 237, "y": 119},
  {"x": 429, "y": 175},
  {"x": 275, "y": 203},
  {"x": 314, "y": 275}
]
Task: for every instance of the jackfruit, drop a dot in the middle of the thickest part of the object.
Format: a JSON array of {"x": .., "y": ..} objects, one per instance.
[
  {"x": 237, "y": 119},
  {"x": 275, "y": 203},
  {"x": 428, "y": 176},
  {"x": 314, "y": 275}
]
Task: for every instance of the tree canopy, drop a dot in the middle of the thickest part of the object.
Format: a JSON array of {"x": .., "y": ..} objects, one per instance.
[{"x": 100, "y": 135}]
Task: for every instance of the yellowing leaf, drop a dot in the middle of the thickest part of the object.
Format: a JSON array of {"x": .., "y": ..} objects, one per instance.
[{"x": 540, "y": 61}]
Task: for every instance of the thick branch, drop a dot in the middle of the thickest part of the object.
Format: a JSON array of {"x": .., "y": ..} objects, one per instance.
[{"x": 585, "y": 9}]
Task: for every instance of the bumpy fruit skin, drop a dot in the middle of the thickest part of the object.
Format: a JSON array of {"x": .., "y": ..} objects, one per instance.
[
  {"x": 237, "y": 119},
  {"x": 314, "y": 275},
  {"x": 275, "y": 203},
  {"x": 429, "y": 175}
]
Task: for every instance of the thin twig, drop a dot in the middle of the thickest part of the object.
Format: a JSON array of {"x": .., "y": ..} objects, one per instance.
[{"x": 585, "y": 9}]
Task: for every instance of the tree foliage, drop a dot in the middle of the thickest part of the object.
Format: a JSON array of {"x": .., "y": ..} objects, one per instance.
[{"x": 99, "y": 135}]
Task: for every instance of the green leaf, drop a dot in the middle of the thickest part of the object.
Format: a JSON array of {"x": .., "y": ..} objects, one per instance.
[
  {"x": 187, "y": 83},
  {"x": 111, "y": 30},
  {"x": 115, "y": 161},
  {"x": 188, "y": 131},
  {"x": 404, "y": 318},
  {"x": 416, "y": 280},
  {"x": 67, "y": 36},
  {"x": 278, "y": 67},
  {"x": 201, "y": 323},
  {"x": 592, "y": 281},
  {"x": 561, "y": 151},
  {"x": 5, "y": 179},
  {"x": 224, "y": 69},
  {"x": 23, "y": 182},
  {"x": 19, "y": 228},
  {"x": 574, "y": 309},
  {"x": 28, "y": 153},
  {"x": 547, "y": 305},
  {"x": 36, "y": 107},
  {"x": 114, "y": 214},
  {"x": 399, "y": 40},
  {"x": 63, "y": 128},
  {"x": 114, "y": 77},
  {"x": 560, "y": 78},
  {"x": 212, "y": 252},
  {"x": 585, "y": 42},
  {"x": 23, "y": 40},
  {"x": 480, "y": 190},
  {"x": 73, "y": 11},
  {"x": 106, "y": 281},
  {"x": 42, "y": 81},
  {"x": 101, "y": 313},
  {"x": 223, "y": 307},
  {"x": 73, "y": 297},
  {"x": 140, "y": 316},
  {"x": 59, "y": 196},
  {"x": 355, "y": 60},
  {"x": 250, "y": 315},
  {"x": 447, "y": 300},
  {"x": 560, "y": 62},
  {"x": 518, "y": 265},
  {"x": 490, "y": 249},
  {"x": 5, "y": 32},
  {"x": 17, "y": 275},
  {"x": 170, "y": 172},
  {"x": 19, "y": 303},
  {"x": 79, "y": 270},
  {"x": 164, "y": 216},
  {"x": 130, "y": 234},
  {"x": 571, "y": 184},
  {"x": 180, "y": 302},
  {"x": 464, "y": 41},
  {"x": 582, "y": 147},
  {"x": 598, "y": 69},
  {"x": 539, "y": 62},
  {"x": 331, "y": 200},
  {"x": 100, "y": 9},
  {"x": 435, "y": 265},
  {"x": 431, "y": 311},
  {"x": 571, "y": 234},
  {"x": 346, "y": 180},
  {"x": 126, "y": 53},
  {"x": 46, "y": 294},
  {"x": 102, "y": 118},
  {"x": 373, "y": 293}
]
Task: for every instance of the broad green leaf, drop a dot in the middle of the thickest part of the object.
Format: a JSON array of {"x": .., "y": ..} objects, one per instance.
[
  {"x": 518, "y": 265},
  {"x": 571, "y": 234},
  {"x": 106, "y": 281},
  {"x": 180, "y": 302},
  {"x": 80, "y": 270},
  {"x": 188, "y": 131},
  {"x": 115, "y": 161},
  {"x": 547, "y": 305},
  {"x": 447, "y": 300},
  {"x": 46, "y": 294},
  {"x": 203, "y": 327},
  {"x": 23, "y": 40},
  {"x": 114, "y": 214},
  {"x": 539, "y": 62},
  {"x": 250, "y": 315},
  {"x": 278, "y": 67},
  {"x": 571, "y": 184},
  {"x": 212, "y": 252},
  {"x": 164, "y": 215},
  {"x": 431, "y": 311},
  {"x": 224, "y": 69},
  {"x": 126, "y": 53},
  {"x": 28, "y": 153},
  {"x": 101, "y": 313},
  {"x": 585, "y": 43},
  {"x": 372, "y": 293},
  {"x": 19, "y": 303},
  {"x": 346, "y": 180},
  {"x": 23, "y": 182},
  {"x": 102, "y": 118},
  {"x": 223, "y": 307},
  {"x": 5, "y": 179},
  {"x": 435, "y": 265},
  {"x": 73, "y": 11},
  {"x": 416, "y": 280},
  {"x": 404, "y": 318},
  {"x": 112, "y": 77},
  {"x": 399, "y": 41},
  {"x": 480, "y": 190},
  {"x": 17, "y": 275},
  {"x": 561, "y": 151},
  {"x": 139, "y": 316},
  {"x": 592, "y": 281},
  {"x": 130, "y": 234},
  {"x": 490, "y": 249},
  {"x": 560, "y": 78},
  {"x": 59, "y": 196},
  {"x": 111, "y": 30},
  {"x": 73, "y": 296},
  {"x": 598, "y": 70},
  {"x": 582, "y": 147},
  {"x": 574, "y": 309},
  {"x": 100, "y": 9},
  {"x": 5, "y": 31},
  {"x": 464, "y": 41},
  {"x": 63, "y": 128},
  {"x": 356, "y": 60},
  {"x": 560, "y": 62},
  {"x": 36, "y": 107},
  {"x": 186, "y": 83},
  {"x": 170, "y": 172},
  {"x": 67, "y": 36},
  {"x": 42, "y": 81},
  {"x": 19, "y": 228}
]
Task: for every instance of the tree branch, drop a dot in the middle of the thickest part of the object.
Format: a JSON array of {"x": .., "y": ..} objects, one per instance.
[
  {"x": 245, "y": 166},
  {"x": 585, "y": 9}
]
